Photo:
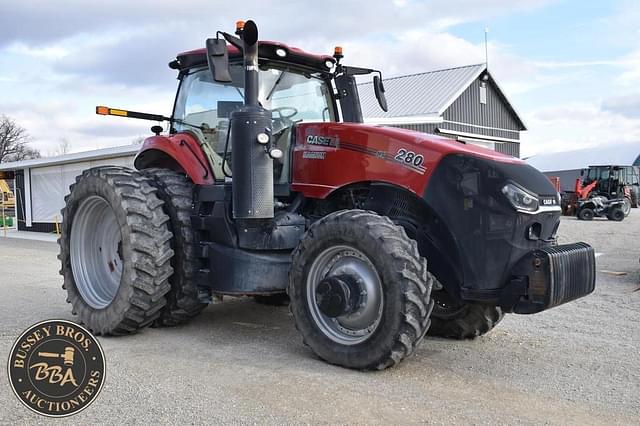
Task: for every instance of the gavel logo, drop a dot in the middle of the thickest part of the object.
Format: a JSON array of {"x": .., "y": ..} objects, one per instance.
[
  {"x": 67, "y": 356},
  {"x": 56, "y": 368}
]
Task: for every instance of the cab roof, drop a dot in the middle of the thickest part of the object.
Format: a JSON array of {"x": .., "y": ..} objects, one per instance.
[{"x": 266, "y": 50}]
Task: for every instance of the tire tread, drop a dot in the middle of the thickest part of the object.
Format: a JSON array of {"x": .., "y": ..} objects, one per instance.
[{"x": 151, "y": 252}]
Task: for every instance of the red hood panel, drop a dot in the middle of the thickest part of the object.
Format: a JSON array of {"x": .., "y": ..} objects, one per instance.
[{"x": 331, "y": 155}]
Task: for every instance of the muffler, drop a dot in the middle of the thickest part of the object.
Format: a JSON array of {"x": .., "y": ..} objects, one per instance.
[{"x": 252, "y": 185}]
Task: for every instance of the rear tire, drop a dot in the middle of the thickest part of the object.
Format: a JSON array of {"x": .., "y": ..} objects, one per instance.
[
  {"x": 634, "y": 198},
  {"x": 616, "y": 215},
  {"x": 462, "y": 320},
  {"x": 394, "y": 285},
  {"x": 115, "y": 251},
  {"x": 176, "y": 190},
  {"x": 626, "y": 207},
  {"x": 586, "y": 213}
]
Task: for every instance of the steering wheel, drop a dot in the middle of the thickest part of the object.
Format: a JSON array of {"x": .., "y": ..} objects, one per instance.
[
  {"x": 284, "y": 121},
  {"x": 281, "y": 111}
]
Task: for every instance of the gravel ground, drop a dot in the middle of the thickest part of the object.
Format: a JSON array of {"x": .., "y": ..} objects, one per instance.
[{"x": 240, "y": 362}]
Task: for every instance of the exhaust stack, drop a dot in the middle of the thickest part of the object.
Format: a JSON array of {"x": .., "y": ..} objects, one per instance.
[{"x": 252, "y": 185}]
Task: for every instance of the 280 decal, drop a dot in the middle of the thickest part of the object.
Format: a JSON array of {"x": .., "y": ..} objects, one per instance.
[{"x": 411, "y": 159}]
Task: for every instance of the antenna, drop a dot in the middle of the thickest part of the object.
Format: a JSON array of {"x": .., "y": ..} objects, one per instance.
[{"x": 486, "y": 47}]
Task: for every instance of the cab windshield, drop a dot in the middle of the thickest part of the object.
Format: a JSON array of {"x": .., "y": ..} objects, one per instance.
[{"x": 203, "y": 106}]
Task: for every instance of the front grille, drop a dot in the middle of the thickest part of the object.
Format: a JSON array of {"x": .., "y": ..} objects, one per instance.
[{"x": 572, "y": 272}]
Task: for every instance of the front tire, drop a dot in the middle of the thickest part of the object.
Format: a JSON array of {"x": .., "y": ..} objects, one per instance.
[
  {"x": 176, "y": 190},
  {"x": 455, "y": 320},
  {"x": 114, "y": 250},
  {"x": 616, "y": 215},
  {"x": 586, "y": 213},
  {"x": 385, "y": 286}
]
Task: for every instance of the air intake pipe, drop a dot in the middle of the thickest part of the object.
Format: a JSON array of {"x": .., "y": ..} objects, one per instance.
[{"x": 252, "y": 185}]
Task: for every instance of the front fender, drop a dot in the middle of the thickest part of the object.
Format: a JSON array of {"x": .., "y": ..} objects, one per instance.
[{"x": 180, "y": 152}]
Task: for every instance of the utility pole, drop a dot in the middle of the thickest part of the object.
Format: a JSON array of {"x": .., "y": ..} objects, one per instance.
[{"x": 486, "y": 47}]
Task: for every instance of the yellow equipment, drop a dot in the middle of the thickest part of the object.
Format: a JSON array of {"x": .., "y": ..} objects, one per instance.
[{"x": 8, "y": 199}]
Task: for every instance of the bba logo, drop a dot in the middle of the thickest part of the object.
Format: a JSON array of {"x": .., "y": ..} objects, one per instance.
[{"x": 56, "y": 368}]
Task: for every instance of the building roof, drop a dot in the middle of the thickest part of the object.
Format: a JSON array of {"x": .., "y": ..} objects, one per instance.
[
  {"x": 425, "y": 96},
  {"x": 627, "y": 154},
  {"x": 441, "y": 86},
  {"x": 98, "y": 154}
]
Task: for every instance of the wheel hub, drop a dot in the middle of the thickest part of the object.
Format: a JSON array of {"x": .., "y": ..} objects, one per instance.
[
  {"x": 338, "y": 295},
  {"x": 344, "y": 294}
]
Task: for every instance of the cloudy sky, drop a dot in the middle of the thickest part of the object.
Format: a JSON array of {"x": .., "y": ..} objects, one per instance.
[{"x": 570, "y": 67}]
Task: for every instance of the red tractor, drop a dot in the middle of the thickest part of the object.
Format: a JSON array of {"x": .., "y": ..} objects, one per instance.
[{"x": 268, "y": 182}]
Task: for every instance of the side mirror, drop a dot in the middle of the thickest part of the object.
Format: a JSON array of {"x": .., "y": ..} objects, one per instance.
[
  {"x": 378, "y": 88},
  {"x": 582, "y": 172},
  {"x": 218, "y": 60}
]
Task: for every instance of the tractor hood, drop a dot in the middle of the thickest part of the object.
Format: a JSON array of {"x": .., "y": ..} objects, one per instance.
[{"x": 331, "y": 155}]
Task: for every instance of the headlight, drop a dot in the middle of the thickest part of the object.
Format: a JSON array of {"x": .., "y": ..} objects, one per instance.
[{"x": 519, "y": 198}]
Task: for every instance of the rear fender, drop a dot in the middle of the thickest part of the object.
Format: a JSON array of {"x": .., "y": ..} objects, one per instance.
[{"x": 180, "y": 152}]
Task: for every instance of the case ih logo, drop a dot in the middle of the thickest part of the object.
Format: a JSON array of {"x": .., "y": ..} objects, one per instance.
[
  {"x": 549, "y": 201},
  {"x": 321, "y": 140}
]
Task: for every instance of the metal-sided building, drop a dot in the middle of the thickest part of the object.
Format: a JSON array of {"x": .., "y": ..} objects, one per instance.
[
  {"x": 42, "y": 184},
  {"x": 463, "y": 103}
]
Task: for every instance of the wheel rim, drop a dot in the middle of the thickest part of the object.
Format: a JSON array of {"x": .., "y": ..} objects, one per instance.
[
  {"x": 587, "y": 214},
  {"x": 358, "y": 326},
  {"x": 96, "y": 252},
  {"x": 626, "y": 206}
]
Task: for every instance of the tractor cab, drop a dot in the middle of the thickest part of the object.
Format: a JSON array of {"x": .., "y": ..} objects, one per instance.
[
  {"x": 293, "y": 85},
  {"x": 291, "y": 92}
]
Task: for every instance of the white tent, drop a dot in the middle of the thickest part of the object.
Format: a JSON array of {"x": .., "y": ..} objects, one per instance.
[{"x": 44, "y": 182}]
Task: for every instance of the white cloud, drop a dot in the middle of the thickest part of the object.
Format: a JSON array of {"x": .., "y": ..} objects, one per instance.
[
  {"x": 577, "y": 125},
  {"x": 47, "y": 52},
  {"x": 116, "y": 52}
]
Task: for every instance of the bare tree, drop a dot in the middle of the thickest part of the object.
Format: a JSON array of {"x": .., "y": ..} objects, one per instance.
[
  {"x": 138, "y": 140},
  {"x": 14, "y": 142},
  {"x": 63, "y": 147}
]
